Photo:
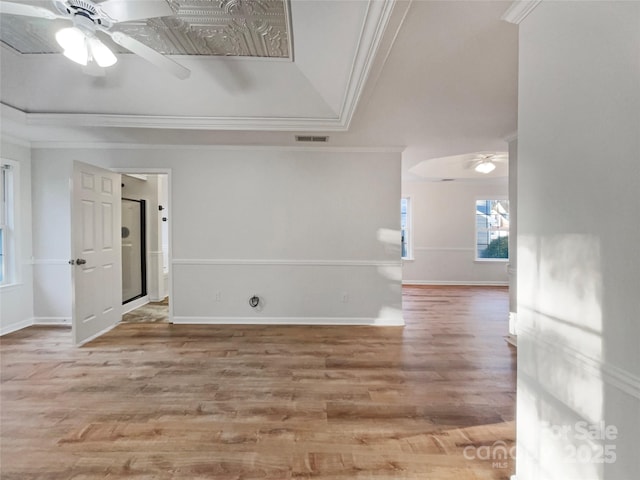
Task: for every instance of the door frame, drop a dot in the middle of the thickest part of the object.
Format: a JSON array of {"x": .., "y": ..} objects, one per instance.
[{"x": 159, "y": 171}]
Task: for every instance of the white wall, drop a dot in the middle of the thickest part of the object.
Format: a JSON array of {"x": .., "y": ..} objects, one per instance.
[
  {"x": 304, "y": 230},
  {"x": 579, "y": 239},
  {"x": 51, "y": 241},
  {"x": 16, "y": 301},
  {"x": 443, "y": 224}
]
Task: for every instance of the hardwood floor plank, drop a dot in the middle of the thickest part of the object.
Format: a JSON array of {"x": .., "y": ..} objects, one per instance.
[{"x": 160, "y": 401}]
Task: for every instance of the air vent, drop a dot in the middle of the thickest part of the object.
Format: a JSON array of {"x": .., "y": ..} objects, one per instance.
[
  {"x": 312, "y": 138},
  {"x": 447, "y": 180}
]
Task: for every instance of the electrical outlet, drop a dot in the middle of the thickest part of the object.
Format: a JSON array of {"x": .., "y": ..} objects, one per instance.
[{"x": 218, "y": 296}]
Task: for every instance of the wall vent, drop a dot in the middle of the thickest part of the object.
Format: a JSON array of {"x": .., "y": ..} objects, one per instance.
[{"x": 312, "y": 138}]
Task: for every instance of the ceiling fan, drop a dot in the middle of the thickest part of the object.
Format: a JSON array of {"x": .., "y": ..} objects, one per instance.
[
  {"x": 486, "y": 162},
  {"x": 80, "y": 42}
]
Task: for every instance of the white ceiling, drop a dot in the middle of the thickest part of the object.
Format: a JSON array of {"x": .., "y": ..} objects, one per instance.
[
  {"x": 436, "y": 77},
  {"x": 196, "y": 27},
  {"x": 462, "y": 167}
]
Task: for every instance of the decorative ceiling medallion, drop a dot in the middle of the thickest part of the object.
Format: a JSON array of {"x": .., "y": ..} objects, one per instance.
[{"x": 241, "y": 28}]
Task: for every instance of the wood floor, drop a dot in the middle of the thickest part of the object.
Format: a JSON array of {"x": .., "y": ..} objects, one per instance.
[
  {"x": 151, "y": 312},
  {"x": 160, "y": 401}
]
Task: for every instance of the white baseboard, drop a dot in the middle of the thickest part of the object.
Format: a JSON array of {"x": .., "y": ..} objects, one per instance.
[
  {"x": 137, "y": 303},
  {"x": 455, "y": 283},
  {"x": 66, "y": 321},
  {"x": 382, "y": 322},
  {"x": 16, "y": 326}
]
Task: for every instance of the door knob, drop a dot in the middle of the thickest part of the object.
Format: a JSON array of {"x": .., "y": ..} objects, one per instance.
[{"x": 80, "y": 261}]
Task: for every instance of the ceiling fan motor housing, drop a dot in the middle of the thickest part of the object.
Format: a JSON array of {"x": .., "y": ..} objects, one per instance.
[{"x": 85, "y": 9}]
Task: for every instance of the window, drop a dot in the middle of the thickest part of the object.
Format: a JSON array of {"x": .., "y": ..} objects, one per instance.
[
  {"x": 405, "y": 227},
  {"x": 492, "y": 230},
  {"x": 7, "y": 222}
]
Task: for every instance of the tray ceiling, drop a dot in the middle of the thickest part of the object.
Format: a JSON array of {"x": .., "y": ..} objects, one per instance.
[
  {"x": 241, "y": 28},
  {"x": 347, "y": 53},
  {"x": 317, "y": 91}
]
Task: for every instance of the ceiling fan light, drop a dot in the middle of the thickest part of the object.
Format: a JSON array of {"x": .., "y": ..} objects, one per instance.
[
  {"x": 486, "y": 166},
  {"x": 72, "y": 41},
  {"x": 102, "y": 55},
  {"x": 70, "y": 38},
  {"x": 78, "y": 54}
]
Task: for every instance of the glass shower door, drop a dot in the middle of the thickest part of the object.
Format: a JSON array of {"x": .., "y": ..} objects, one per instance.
[{"x": 134, "y": 278}]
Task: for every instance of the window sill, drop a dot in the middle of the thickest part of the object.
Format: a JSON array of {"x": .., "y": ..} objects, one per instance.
[
  {"x": 408, "y": 259},
  {"x": 491, "y": 260}
]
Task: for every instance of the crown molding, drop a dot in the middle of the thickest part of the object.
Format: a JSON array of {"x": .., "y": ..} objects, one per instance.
[
  {"x": 519, "y": 10},
  {"x": 185, "y": 123},
  {"x": 176, "y": 146},
  {"x": 373, "y": 29},
  {"x": 392, "y": 29},
  {"x": 35, "y": 119}
]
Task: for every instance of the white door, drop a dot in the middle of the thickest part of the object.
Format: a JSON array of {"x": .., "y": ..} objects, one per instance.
[{"x": 95, "y": 238}]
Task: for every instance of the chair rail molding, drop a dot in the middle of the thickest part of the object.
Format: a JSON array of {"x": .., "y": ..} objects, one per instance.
[{"x": 305, "y": 263}]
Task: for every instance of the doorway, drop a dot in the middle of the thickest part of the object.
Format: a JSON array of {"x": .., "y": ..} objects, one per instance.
[{"x": 145, "y": 254}]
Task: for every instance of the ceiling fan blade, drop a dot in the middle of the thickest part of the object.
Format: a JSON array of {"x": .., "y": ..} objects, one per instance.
[
  {"x": 125, "y": 11},
  {"x": 11, "y": 8},
  {"x": 150, "y": 54}
]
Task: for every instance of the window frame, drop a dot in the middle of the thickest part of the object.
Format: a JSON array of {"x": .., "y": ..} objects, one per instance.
[
  {"x": 408, "y": 229},
  {"x": 9, "y": 208},
  {"x": 487, "y": 198}
]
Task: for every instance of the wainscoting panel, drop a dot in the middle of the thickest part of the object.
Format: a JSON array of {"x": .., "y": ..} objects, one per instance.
[
  {"x": 452, "y": 266},
  {"x": 566, "y": 390},
  {"x": 290, "y": 292}
]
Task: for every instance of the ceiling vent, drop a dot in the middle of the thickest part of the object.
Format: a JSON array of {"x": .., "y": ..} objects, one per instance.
[{"x": 312, "y": 138}]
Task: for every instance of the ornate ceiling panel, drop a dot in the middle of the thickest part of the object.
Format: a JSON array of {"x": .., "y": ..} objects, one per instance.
[{"x": 244, "y": 28}]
